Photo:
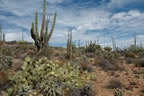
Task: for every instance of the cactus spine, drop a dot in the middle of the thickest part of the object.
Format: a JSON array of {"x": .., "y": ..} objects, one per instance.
[
  {"x": 69, "y": 44},
  {"x": 41, "y": 41}
]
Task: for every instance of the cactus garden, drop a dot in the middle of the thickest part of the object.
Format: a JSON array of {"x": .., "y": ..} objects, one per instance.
[{"x": 54, "y": 58}]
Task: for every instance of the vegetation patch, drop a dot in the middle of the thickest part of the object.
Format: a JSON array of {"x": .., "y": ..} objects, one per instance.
[{"x": 48, "y": 79}]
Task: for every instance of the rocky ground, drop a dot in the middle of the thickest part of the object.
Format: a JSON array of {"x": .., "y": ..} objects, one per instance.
[{"x": 127, "y": 77}]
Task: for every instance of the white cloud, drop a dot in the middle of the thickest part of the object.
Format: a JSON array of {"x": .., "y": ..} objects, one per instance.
[
  {"x": 17, "y": 36},
  {"x": 103, "y": 23},
  {"x": 122, "y": 3},
  {"x": 55, "y": 1}
]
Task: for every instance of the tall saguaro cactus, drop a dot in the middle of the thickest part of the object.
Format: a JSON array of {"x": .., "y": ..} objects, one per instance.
[
  {"x": 41, "y": 40},
  {"x": 69, "y": 44},
  {"x": 0, "y": 33}
]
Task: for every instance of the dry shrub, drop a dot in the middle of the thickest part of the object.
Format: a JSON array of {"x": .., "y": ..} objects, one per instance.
[
  {"x": 114, "y": 83},
  {"x": 97, "y": 60},
  {"x": 112, "y": 64},
  {"x": 140, "y": 63}
]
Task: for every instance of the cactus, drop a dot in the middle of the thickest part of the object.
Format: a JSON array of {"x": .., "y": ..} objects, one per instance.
[
  {"x": 0, "y": 33},
  {"x": 114, "y": 43},
  {"x": 41, "y": 41},
  {"x": 47, "y": 78},
  {"x": 92, "y": 46},
  {"x": 3, "y": 37},
  {"x": 69, "y": 44}
]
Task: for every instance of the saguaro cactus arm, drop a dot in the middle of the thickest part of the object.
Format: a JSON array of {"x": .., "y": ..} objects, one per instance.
[
  {"x": 36, "y": 25},
  {"x": 53, "y": 25},
  {"x": 33, "y": 34},
  {"x": 43, "y": 21}
]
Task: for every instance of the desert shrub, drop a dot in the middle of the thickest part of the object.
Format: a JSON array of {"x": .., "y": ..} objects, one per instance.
[
  {"x": 21, "y": 42},
  {"x": 106, "y": 64},
  {"x": 129, "y": 60},
  {"x": 130, "y": 54},
  {"x": 119, "y": 92},
  {"x": 92, "y": 47},
  {"x": 108, "y": 55},
  {"x": 47, "y": 78},
  {"x": 90, "y": 55},
  {"x": 140, "y": 63},
  {"x": 5, "y": 51},
  {"x": 87, "y": 68},
  {"x": 5, "y": 62},
  {"x": 114, "y": 83},
  {"x": 107, "y": 49},
  {"x": 85, "y": 64}
]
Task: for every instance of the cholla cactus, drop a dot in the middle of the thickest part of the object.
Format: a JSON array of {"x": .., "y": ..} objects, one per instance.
[{"x": 41, "y": 41}]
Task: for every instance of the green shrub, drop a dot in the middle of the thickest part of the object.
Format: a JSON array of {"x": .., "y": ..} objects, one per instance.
[
  {"x": 47, "y": 78},
  {"x": 107, "y": 49},
  {"x": 5, "y": 62}
]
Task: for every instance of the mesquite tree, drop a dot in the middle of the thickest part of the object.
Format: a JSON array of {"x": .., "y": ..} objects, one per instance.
[{"x": 41, "y": 40}]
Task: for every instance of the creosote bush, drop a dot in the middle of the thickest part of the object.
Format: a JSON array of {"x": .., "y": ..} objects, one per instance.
[{"x": 44, "y": 77}]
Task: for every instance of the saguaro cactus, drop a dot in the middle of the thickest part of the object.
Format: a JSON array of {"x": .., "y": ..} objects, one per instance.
[
  {"x": 114, "y": 44},
  {"x": 3, "y": 37},
  {"x": 69, "y": 44},
  {"x": 41, "y": 41},
  {"x": 0, "y": 33}
]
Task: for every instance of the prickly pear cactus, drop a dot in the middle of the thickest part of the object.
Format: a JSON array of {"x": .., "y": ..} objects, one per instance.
[
  {"x": 47, "y": 78},
  {"x": 5, "y": 62}
]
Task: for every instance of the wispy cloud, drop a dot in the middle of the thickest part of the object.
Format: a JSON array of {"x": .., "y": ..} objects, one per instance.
[{"x": 88, "y": 22}]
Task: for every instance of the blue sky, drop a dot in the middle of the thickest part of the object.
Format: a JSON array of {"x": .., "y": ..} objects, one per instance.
[{"x": 90, "y": 19}]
